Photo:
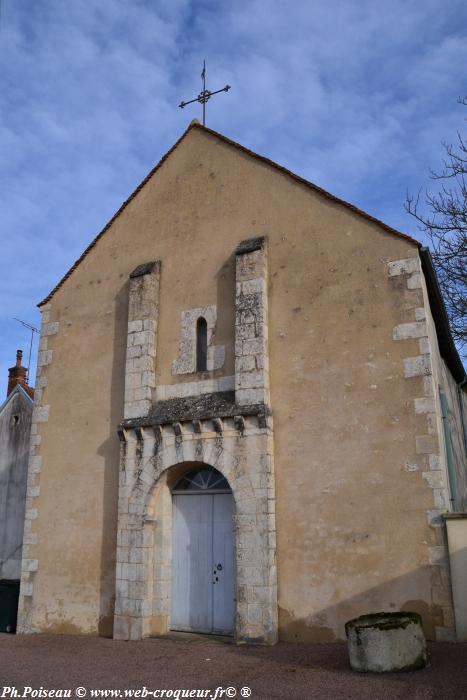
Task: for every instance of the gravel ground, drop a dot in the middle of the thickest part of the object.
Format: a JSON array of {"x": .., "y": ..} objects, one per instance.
[{"x": 283, "y": 671}]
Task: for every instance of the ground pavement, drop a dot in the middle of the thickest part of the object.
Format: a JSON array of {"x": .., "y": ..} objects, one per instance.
[{"x": 284, "y": 671}]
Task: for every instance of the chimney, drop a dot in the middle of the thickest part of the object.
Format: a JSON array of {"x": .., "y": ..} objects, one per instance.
[{"x": 17, "y": 375}]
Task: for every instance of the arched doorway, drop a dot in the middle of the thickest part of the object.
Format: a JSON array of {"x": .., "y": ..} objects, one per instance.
[{"x": 203, "y": 561}]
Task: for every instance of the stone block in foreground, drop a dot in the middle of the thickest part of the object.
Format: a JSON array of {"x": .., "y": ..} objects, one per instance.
[{"x": 384, "y": 642}]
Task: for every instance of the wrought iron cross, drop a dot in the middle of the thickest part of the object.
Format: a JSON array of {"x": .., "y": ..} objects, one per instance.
[{"x": 204, "y": 95}]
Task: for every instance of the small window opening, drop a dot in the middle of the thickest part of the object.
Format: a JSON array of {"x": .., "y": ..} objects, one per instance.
[
  {"x": 201, "y": 345},
  {"x": 15, "y": 420}
]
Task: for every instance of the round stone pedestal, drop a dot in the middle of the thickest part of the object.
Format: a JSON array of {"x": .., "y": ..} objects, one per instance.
[{"x": 386, "y": 642}]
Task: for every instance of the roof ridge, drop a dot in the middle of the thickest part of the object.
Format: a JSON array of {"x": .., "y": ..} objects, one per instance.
[
  {"x": 257, "y": 156},
  {"x": 18, "y": 389}
]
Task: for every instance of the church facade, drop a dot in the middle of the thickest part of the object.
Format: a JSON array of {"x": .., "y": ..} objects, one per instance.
[{"x": 248, "y": 416}]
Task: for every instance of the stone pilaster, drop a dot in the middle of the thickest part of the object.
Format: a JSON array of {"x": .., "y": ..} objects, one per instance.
[
  {"x": 251, "y": 323},
  {"x": 40, "y": 415},
  {"x": 143, "y": 312},
  {"x": 427, "y": 455}
]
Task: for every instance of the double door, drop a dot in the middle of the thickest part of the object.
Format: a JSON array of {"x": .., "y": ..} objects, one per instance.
[{"x": 203, "y": 563}]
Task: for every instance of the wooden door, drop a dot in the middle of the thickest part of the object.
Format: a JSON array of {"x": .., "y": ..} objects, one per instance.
[{"x": 203, "y": 563}]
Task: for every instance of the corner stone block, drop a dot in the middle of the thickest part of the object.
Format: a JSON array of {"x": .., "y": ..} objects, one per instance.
[
  {"x": 404, "y": 331},
  {"x": 414, "y": 281},
  {"x": 426, "y": 444},
  {"x": 49, "y": 328},
  {"x": 121, "y": 628},
  {"x": 40, "y": 414},
  {"x": 419, "y": 366},
  {"x": 403, "y": 267},
  {"x": 251, "y": 260},
  {"x": 424, "y": 405}
]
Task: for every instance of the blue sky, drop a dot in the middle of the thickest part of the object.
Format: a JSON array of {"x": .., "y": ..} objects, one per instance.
[{"x": 355, "y": 95}]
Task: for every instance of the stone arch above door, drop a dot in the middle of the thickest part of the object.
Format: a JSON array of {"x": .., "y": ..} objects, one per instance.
[{"x": 151, "y": 457}]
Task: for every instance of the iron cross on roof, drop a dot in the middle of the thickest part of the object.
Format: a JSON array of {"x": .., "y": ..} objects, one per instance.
[{"x": 204, "y": 95}]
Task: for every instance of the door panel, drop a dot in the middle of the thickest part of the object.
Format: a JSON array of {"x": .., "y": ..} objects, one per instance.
[
  {"x": 203, "y": 571},
  {"x": 191, "y": 563},
  {"x": 223, "y": 546}
]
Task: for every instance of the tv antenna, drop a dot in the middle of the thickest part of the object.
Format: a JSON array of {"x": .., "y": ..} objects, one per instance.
[
  {"x": 204, "y": 95},
  {"x": 33, "y": 330}
]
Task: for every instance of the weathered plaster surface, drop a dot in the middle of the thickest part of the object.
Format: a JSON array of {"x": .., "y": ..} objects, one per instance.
[{"x": 15, "y": 425}]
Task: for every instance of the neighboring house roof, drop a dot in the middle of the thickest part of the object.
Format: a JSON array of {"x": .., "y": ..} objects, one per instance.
[
  {"x": 17, "y": 390},
  {"x": 447, "y": 346}
]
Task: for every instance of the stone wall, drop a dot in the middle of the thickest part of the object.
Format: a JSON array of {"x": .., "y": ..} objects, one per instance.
[
  {"x": 143, "y": 315},
  {"x": 456, "y": 398},
  {"x": 251, "y": 323},
  {"x": 351, "y": 513},
  {"x": 243, "y": 452},
  {"x": 186, "y": 360},
  {"x": 15, "y": 426},
  {"x": 428, "y": 456},
  {"x": 40, "y": 415},
  {"x": 192, "y": 423}
]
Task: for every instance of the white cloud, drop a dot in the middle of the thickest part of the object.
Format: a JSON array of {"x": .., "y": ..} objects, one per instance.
[{"x": 353, "y": 94}]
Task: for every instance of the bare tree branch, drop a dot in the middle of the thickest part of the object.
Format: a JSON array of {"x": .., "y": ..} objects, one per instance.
[{"x": 443, "y": 218}]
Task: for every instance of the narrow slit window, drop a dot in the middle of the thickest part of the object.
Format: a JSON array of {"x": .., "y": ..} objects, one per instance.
[{"x": 201, "y": 345}]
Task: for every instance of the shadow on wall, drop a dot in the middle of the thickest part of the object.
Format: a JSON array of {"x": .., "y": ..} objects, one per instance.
[
  {"x": 321, "y": 626},
  {"x": 225, "y": 301},
  {"x": 110, "y": 451}
]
